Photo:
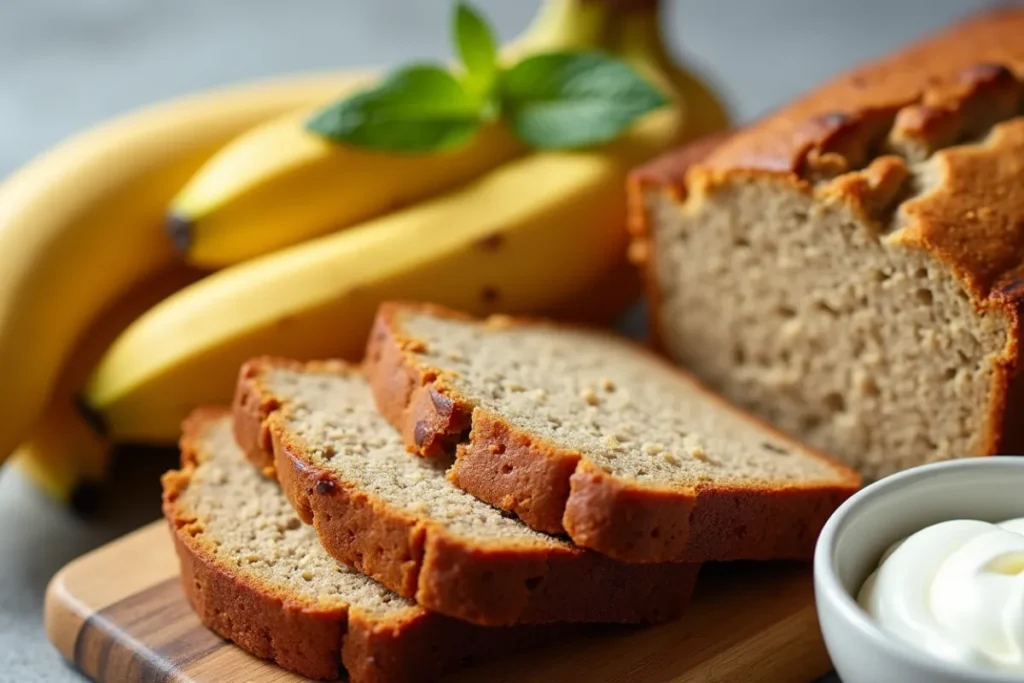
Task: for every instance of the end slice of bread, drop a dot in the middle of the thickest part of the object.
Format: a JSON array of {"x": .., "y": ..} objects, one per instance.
[
  {"x": 581, "y": 432},
  {"x": 397, "y": 518},
  {"x": 258, "y": 576}
]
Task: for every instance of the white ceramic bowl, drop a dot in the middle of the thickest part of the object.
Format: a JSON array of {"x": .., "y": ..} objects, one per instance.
[{"x": 853, "y": 540}]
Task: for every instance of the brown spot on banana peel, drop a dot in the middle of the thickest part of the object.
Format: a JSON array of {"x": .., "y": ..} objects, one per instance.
[
  {"x": 491, "y": 242},
  {"x": 490, "y": 295}
]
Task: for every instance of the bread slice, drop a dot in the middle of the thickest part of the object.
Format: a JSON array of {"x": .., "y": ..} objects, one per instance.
[
  {"x": 258, "y": 576},
  {"x": 582, "y": 432},
  {"x": 850, "y": 267},
  {"x": 397, "y": 518}
]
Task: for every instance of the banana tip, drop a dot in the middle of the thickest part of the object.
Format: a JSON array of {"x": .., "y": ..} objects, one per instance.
[
  {"x": 179, "y": 230},
  {"x": 86, "y": 498},
  {"x": 91, "y": 416}
]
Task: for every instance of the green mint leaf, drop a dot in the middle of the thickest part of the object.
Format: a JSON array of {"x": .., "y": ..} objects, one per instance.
[
  {"x": 567, "y": 100},
  {"x": 417, "y": 109},
  {"x": 477, "y": 47}
]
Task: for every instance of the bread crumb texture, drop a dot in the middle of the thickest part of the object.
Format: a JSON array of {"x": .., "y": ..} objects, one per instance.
[
  {"x": 336, "y": 408},
  {"x": 626, "y": 411},
  {"x": 246, "y": 524}
]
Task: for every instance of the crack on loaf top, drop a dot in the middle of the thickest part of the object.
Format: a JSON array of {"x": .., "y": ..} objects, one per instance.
[
  {"x": 970, "y": 210},
  {"x": 966, "y": 69}
]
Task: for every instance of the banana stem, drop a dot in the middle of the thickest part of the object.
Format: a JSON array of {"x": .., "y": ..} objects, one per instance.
[
  {"x": 620, "y": 6},
  {"x": 638, "y": 38},
  {"x": 568, "y": 24},
  {"x": 637, "y": 30}
]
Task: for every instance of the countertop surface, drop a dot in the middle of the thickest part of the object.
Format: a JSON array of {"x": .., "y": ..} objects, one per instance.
[{"x": 68, "y": 64}]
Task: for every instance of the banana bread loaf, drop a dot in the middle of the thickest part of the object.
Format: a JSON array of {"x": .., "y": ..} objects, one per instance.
[
  {"x": 581, "y": 432},
  {"x": 396, "y": 517},
  {"x": 850, "y": 267},
  {"x": 258, "y": 576}
]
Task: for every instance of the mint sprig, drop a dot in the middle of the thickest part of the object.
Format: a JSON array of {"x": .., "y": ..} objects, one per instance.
[
  {"x": 421, "y": 108},
  {"x": 561, "y": 100},
  {"x": 477, "y": 48},
  {"x": 553, "y": 100}
]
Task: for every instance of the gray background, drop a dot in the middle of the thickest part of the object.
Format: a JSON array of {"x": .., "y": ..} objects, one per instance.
[{"x": 67, "y": 64}]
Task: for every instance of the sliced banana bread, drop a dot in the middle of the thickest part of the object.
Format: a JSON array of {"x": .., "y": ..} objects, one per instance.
[
  {"x": 397, "y": 518},
  {"x": 850, "y": 267},
  {"x": 258, "y": 576},
  {"x": 582, "y": 432}
]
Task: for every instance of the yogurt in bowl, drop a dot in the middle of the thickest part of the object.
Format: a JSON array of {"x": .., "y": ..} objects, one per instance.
[
  {"x": 956, "y": 590},
  {"x": 919, "y": 578}
]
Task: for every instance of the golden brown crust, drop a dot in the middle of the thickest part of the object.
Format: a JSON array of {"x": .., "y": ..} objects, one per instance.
[
  {"x": 553, "y": 489},
  {"x": 255, "y": 619},
  {"x": 661, "y": 173},
  {"x": 718, "y": 522},
  {"x": 962, "y": 69},
  {"x": 541, "y": 488},
  {"x": 1004, "y": 433},
  {"x": 317, "y": 641},
  {"x": 491, "y": 585},
  {"x": 951, "y": 87}
]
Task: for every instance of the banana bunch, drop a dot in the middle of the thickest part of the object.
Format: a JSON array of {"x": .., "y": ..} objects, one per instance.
[
  {"x": 80, "y": 226},
  {"x": 309, "y": 237}
]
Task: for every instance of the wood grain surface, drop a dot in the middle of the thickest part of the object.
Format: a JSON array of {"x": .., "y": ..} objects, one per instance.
[{"x": 119, "y": 615}]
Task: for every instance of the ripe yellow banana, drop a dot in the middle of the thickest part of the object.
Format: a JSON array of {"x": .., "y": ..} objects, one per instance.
[
  {"x": 279, "y": 184},
  {"x": 82, "y": 224},
  {"x": 523, "y": 238},
  {"x": 65, "y": 457},
  {"x": 63, "y": 454}
]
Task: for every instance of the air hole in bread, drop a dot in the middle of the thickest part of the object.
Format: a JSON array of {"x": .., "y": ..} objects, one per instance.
[
  {"x": 868, "y": 386},
  {"x": 826, "y": 308},
  {"x": 925, "y": 296},
  {"x": 506, "y": 468},
  {"x": 835, "y": 402},
  {"x": 809, "y": 423}
]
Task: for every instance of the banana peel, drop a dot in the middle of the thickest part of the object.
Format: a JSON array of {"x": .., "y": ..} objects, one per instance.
[{"x": 64, "y": 454}]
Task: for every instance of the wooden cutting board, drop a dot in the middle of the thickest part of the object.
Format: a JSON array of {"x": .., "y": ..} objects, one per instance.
[{"x": 119, "y": 615}]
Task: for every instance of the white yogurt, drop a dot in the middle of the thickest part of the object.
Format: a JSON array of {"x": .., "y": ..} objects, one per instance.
[{"x": 956, "y": 590}]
